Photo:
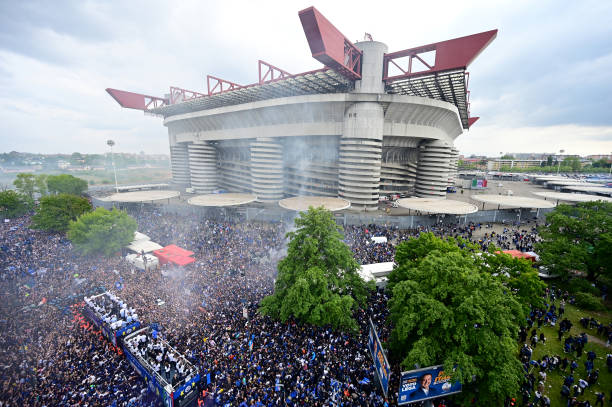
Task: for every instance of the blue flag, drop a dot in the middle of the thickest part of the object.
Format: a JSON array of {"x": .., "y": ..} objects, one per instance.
[{"x": 208, "y": 378}]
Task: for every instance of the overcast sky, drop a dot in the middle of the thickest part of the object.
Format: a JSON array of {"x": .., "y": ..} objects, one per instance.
[{"x": 544, "y": 84}]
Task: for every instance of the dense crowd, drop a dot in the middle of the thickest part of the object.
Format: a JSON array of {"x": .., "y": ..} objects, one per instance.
[
  {"x": 367, "y": 251},
  {"x": 535, "y": 391},
  {"x": 49, "y": 358}
]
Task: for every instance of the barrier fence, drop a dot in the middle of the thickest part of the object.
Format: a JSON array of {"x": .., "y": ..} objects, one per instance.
[{"x": 268, "y": 214}]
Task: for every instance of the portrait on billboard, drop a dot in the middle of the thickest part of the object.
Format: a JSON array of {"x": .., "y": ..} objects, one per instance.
[{"x": 426, "y": 384}]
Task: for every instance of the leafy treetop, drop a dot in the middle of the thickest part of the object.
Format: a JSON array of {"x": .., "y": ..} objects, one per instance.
[
  {"x": 102, "y": 231},
  {"x": 446, "y": 310},
  {"x": 317, "y": 281},
  {"x": 578, "y": 238},
  {"x": 56, "y": 211}
]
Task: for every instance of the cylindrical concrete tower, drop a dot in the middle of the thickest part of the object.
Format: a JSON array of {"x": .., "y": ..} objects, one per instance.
[
  {"x": 179, "y": 158},
  {"x": 452, "y": 172},
  {"x": 361, "y": 142},
  {"x": 203, "y": 167},
  {"x": 432, "y": 169},
  {"x": 267, "y": 169}
]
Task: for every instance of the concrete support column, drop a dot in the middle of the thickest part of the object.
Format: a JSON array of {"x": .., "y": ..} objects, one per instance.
[
  {"x": 432, "y": 169},
  {"x": 360, "y": 155},
  {"x": 179, "y": 159},
  {"x": 203, "y": 167},
  {"x": 452, "y": 171},
  {"x": 267, "y": 169}
]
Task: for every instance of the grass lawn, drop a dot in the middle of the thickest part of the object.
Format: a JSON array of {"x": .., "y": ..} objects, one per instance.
[{"x": 553, "y": 346}]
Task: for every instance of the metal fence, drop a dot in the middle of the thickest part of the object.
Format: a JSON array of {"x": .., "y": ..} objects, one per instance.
[{"x": 271, "y": 215}]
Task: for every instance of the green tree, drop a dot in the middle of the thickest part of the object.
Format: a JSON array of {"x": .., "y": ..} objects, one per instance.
[
  {"x": 412, "y": 251},
  {"x": 66, "y": 184},
  {"x": 56, "y": 211},
  {"x": 549, "y": 161},
  {"x": 447, "y": 311},
  {"x": 317, "y": 281},
  {"x": 572, "y": 162},
  {"x": 578, "y": 238},
  {"x": 518, "y": 274},
  {"x": 13, "y": 204},
  {"x": 102, "y": 231},
  {"x": 26, "y": 184},
  {"x": 40, "y": 184},
  {"x": 507, "y": 157}
]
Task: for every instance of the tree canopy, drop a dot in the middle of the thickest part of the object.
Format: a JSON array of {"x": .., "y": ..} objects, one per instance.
[
  {"x": 13, "y": 204},
  {"x": 66, "y": 184},
  {"x": 56, "y": 211},
  {"x": 29, "y": 184},
  {"x": 317, "y": 281},
  {"x": 447, "y": 309},
  {"x": 102, "y": 231},
  {"x": 578, "y": 238}
]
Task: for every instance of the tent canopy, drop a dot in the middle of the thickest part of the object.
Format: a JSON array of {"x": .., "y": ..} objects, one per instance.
[
  {"x": 520, "y": 255},
  {"x": 146, "y": 246},
  {"x": 175, "y": 255}
]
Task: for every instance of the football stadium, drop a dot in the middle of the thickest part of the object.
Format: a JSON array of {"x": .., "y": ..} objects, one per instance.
[{"x": 370, "y": 122}]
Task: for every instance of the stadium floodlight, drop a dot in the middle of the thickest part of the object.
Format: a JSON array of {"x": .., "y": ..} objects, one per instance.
[
  {"x": 559, "y": 161},
  {"x": 111, "y": 143}
]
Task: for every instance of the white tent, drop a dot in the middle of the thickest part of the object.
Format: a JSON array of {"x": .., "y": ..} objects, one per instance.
[
  {"x": 146, "y": 246},
  {"x": 379, "y": 239},
  {"x": 138, "y": 261},
  {"x": 377, "y": 272}
]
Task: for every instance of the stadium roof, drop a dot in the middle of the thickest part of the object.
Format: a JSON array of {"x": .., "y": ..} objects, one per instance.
[
  {"x": 437, "y": 206},
  {"x": 302, "y": 203},
  {"x": 308, "y": 83},
  {"x": 445, "y": 78},
  {"x": 514, "y": 201},
  {"x": 570, "y": 197},
  {"x": 142, "y": 196},
  {"x": 228, "y": 199}
]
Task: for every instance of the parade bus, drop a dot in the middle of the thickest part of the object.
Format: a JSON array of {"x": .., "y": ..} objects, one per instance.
[
  {"x": 178, "y": 391},
  {"x": 111, "y": 315}
]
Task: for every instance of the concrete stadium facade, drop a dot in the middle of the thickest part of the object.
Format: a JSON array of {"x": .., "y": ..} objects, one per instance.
[{"x": 356, "y": 145}]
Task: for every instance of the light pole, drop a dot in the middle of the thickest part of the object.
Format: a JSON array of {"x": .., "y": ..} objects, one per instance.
[
  {"x": 610, "y": 162},
  {"x": 111, "y": 143},
  {"x": 559, "y": 161}
]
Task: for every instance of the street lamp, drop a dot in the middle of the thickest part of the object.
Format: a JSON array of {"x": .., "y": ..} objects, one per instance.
[
  {"x": 559, "y": 161},
  {"x": 111, "y": 143}
]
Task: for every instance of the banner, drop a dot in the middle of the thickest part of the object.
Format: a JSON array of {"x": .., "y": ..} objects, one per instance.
[
  {"x": 383, "y": 370},
  {"x": 424, "y": 384}
]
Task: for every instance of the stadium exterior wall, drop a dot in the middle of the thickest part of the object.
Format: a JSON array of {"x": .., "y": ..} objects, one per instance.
[
  {"x": 356, "y": 145},
  {"x": 308, "y": 150}
]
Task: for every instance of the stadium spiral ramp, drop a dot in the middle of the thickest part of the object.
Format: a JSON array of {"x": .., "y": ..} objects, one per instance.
[
  {"x": 359, "y": 171},
  {"x": 267, "y": 169},
  {"x": 203, "y": 167},
  {"x": 179, "y": 158},
  {"x": 433, "y": 169}
]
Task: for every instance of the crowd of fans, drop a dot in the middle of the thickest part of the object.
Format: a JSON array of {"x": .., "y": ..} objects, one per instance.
[
  {"x": 207, "y": 311},
  {"x": 535, "y": 391}
]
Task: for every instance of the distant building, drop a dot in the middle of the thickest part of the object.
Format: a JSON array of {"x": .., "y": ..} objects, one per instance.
[
  {"x": 496, "y": 165},
  {"x": 63, "y": 164}
]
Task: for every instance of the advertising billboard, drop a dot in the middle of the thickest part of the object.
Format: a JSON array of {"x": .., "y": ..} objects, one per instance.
[
  {"x": 425, "y": 384},
  {"x": 383, "y": 370}
]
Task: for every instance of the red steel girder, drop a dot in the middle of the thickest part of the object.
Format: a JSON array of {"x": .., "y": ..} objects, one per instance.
[
  {"x": 270, "y": 73},
  {"x": 453, "y": 54},
  {"x": 136, "y": 101},
  {"x": 329, "y": 46},
  {"x": 178, "y": 95},
  {"x": 220, "y": 85}
]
